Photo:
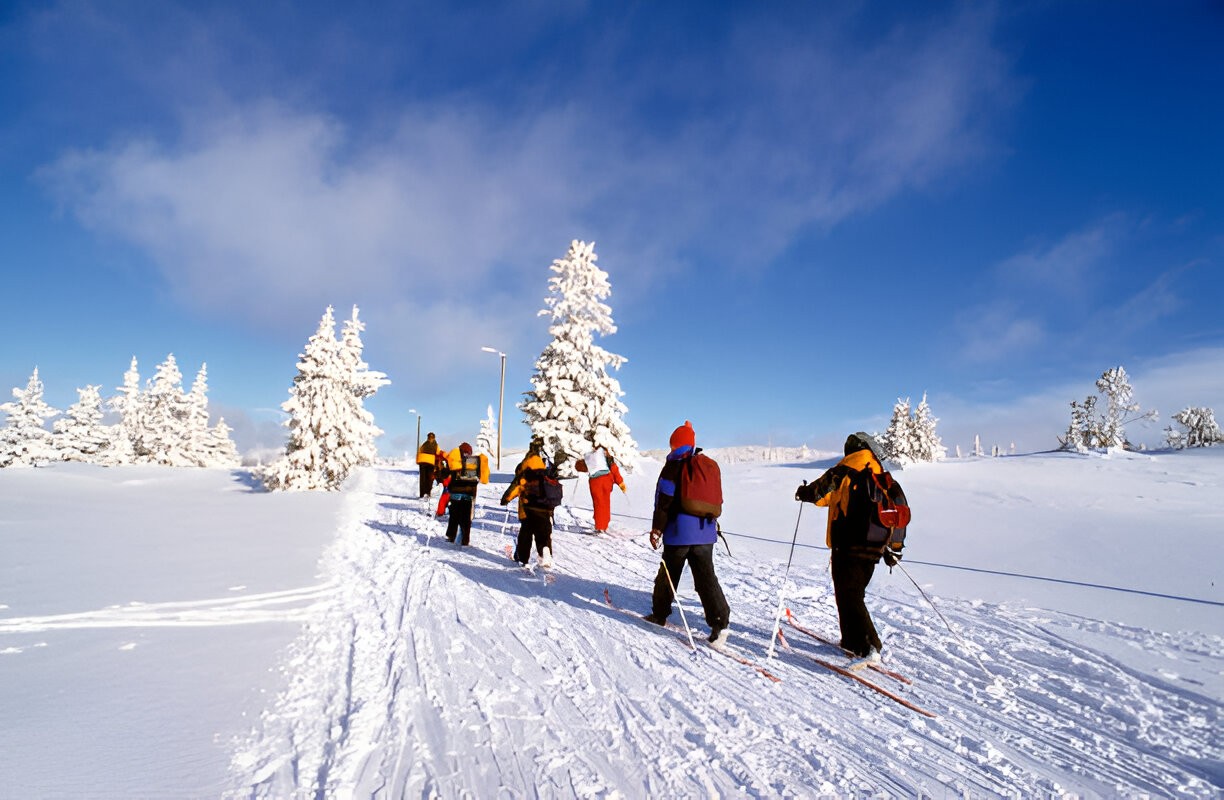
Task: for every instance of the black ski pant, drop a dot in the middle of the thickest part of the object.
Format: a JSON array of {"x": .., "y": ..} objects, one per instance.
[
  {"x": 700, "y": 558},
  {"x": 535, "y": 527},
  {"x": 427, "y": 475},
  {"x": 460, "y": 521},
  {"x": 851, "y": 575}
]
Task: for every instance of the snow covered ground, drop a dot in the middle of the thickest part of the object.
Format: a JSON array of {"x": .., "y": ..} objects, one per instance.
[{"x": 178, "y": 633}]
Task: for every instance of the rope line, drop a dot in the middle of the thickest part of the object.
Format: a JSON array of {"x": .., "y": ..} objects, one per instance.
[{"x": 981, "y": 570}]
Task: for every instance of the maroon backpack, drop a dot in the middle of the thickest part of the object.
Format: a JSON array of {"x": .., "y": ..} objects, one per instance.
[{"x": 700, "y": 486}]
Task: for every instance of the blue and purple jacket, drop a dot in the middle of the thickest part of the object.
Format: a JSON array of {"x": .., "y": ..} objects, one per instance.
[{"x": 679, "y": 529}]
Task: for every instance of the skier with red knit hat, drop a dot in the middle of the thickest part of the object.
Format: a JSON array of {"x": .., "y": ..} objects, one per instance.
[{"x": 687, "y": 539}]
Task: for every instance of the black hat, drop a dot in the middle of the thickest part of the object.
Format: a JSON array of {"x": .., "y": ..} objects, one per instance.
[{"x": 864, "y": 441}]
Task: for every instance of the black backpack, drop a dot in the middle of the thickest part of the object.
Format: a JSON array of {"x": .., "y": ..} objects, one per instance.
[{"x": 541, "y": 489}]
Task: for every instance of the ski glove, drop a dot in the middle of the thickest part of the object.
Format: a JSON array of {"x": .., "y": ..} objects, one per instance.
[
  {"x": 623, "y": 489},
  {"x": 806, "y": 493},
  {"x": 891, "y": 557},
  {"x": 655, "y": 536}
]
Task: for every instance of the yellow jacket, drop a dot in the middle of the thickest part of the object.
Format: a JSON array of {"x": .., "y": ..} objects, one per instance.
[
  {"x": 517, "y": 485},
  {"x": 426, "y": 456},
  {"x": 454, "y": 462},
  {"x": 832, "y": 488}
]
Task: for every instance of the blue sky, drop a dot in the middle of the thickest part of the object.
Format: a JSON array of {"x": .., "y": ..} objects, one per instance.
[{"x": 806, "y": 210}]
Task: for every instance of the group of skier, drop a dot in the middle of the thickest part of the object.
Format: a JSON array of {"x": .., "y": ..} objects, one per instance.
[
  {"x": 461, "y": 471},
  {"x": 687, "y": 502}
]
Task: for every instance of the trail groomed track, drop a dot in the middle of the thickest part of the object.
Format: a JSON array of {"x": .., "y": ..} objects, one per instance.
[{"x": 436, "y": 671}]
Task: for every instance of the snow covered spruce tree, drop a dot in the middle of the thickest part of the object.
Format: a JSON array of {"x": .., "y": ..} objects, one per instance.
[
  {"x": 197, "y": 436},
  {"x": 364, "y": 383},
  {"x": 911, "y": 438},
  {"x": 573, "y": 399},
  {"x": 1200, "y": 429},
  {"x": 126, "y": 435},
  {"x": 218, "y": 448},
  {"x": 166, "y": 412},
  {"x": 80, "y": 434},
  {"x": 330, "y": 432},
  {"x": 896, "y": 438},
  {"x": 927, "y": 444},
  {"x": 1089, "y": 431},
  {"x": 486, "y": 440},
  {"x": 206, "y": 446},
  {"x": 25, "y": 440}
]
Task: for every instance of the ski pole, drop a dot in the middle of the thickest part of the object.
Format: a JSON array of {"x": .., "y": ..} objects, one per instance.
[
  {"x": 945, "y": 622},
  {"x": 680, "y": 606},
  {"x": 777, "y": 626}
]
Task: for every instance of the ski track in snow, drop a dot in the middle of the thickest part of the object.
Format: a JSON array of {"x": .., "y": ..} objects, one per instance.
[{"x": 429, "y": 670}]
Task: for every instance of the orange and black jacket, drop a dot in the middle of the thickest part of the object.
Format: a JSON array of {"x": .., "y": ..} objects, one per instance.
[
  {"x": 519, "y": 484},
  {"x": 846, "y": 533}
]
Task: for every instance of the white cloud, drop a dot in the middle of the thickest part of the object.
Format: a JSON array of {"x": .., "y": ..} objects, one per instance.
[
  {"x": 1065, "y": 268},
  {"x": 996, "y": 332},
  {"x": 1034, "y": 421},
  {"x": 266, "y": 212}
]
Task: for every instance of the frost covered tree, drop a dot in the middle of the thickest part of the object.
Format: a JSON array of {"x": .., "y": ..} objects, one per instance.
[
  {"x": 166, "y": 413},
  {"x": 486, "y": 440},
  {"x": 219, "y": 449},
  {"x": 126, "y": 435},
  {"x": 363, "y": 382},
  {"x": 80, "y": 434},
  {"x": 927, "y": 444},
  {"x": 197, "y": 436},
  {"x": 1088, "y": 430},
  {"x": 574, "y": 402},
  {"x": 25, "y": 439},
  {"x": 1200, "y": 427},
  {"x": 896, "y": 437},
  {"x": 911, "y": 437},
  {"x": 330, "y": 432}
]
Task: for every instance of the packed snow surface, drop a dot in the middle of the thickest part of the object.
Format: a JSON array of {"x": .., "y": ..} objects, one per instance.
[{"x": 179, "y": 633}]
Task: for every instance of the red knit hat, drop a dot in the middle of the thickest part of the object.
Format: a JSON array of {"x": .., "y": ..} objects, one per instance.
[{"x": 683, "y": 436}]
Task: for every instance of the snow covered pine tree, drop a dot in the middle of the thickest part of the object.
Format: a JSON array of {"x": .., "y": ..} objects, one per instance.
[
  {"x": 1200, "y": 426},
  {"x": 80, "y": 434},
  {"x": 1088, "y": 431},
  {"x": 911, "y": 439},
  {"x": 330, "y": 432},
  {"x": 25, "y": 440},
  {"x": 573, "y": 398},
  {"x": 486, "y": 440}
]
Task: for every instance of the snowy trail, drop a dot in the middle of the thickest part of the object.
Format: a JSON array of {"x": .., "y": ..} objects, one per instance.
[
  {"x": 433, "y": 670},
  {"x": 289, "y": 606}
]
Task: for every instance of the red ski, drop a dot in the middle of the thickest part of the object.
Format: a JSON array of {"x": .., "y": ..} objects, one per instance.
[
  {"x": 873, "y": 686},
  {"x": 880, "y": 668}
]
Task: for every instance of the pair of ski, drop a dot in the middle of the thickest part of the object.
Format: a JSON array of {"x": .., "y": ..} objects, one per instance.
[
  {"x": 684, "y": 640},
  {"x": 852, "y": 671}
]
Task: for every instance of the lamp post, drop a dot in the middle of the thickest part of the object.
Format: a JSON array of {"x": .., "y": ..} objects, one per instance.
[
  {"x": 501, "y": 398},
  {"x": 418, "y": 446}
]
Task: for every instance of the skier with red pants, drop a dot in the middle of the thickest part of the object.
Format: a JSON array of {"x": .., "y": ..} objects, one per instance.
[{"x": 603, "y": 475}]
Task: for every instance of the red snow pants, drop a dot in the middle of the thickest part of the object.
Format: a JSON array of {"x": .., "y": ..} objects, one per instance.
[{"x": 601, "y": 498}]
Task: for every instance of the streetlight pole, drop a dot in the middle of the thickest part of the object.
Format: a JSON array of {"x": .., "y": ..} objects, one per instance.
[
  {"x": 418, "y": 446},
  {"x": 501, "y": 399}
]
